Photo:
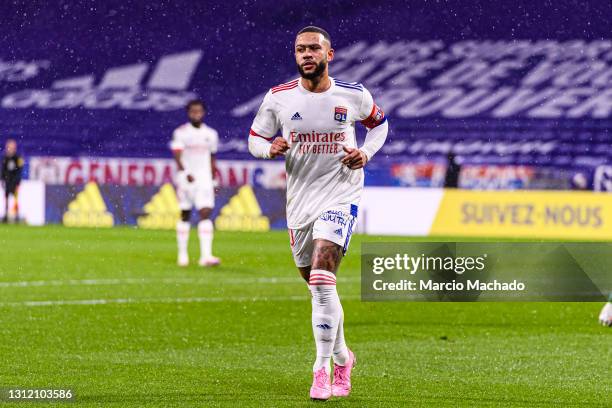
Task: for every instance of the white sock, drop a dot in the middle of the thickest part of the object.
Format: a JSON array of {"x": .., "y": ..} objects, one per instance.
[
  {"x": 341, "y": 354},
  {"x": 182, "y": 236},
  {"x": 205, "y": 232},
  {"x": 325, "y": 315}
]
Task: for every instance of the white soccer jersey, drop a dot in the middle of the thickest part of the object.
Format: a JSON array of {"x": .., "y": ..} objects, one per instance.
[
  {"x": 317, "y": 126},
  {"x": 196, "y": 145}
]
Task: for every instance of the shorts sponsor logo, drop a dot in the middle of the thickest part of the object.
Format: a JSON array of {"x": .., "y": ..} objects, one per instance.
[{"x": 335, "y": 216}]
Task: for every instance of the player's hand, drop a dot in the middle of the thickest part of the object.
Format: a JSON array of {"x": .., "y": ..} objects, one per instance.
[
  {"x": 354, "y": 158},
  {"x": 190, "y": 178},
  {"x": 279, "y": 147}
]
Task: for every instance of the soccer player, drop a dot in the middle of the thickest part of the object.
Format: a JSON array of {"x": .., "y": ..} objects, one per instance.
[
  {"x": 316, "y": 115},
  {"x": 12, "y": 165},
  {"x": 605, "y": 317},
  {"x": 194, "y": 145}
]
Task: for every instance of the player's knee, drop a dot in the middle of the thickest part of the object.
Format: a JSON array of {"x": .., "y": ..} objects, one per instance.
[
  {"x": 326, "y": 257},
  {"x": 205, "y": 213},
  {"x": 305, "y": 272}
]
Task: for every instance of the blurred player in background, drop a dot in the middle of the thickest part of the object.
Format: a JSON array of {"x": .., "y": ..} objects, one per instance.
[
  {"x": 194, "y": 145},
  {"x": 12, "y": 166},
  {"x": 316, "y": 115}
]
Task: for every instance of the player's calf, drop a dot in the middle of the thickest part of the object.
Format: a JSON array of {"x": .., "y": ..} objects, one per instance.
[
  {"x": 325, "y": 317},
  {"x": 205, "y": 234},
  {"x": 182, "y": 239}
]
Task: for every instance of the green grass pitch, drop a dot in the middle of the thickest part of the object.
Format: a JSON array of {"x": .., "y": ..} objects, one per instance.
[{"x": 152, "y": 334}]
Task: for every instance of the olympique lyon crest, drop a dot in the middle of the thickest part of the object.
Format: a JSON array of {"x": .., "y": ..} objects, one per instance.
[{"x": 340, "y": 113}]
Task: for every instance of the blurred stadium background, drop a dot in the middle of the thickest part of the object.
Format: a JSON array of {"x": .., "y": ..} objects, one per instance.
[
  {"x": 520, "y": 101},
  {"x": 500, "y": 116}
]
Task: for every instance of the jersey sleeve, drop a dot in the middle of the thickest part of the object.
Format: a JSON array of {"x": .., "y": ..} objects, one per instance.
[
  {"x": 266, "y": 124},
  {"x": 370, "y": 114},
  {"x": 177, "y": 144}
]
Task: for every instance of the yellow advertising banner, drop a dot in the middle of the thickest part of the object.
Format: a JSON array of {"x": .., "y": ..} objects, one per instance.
[{"x": 535, "y": 214}]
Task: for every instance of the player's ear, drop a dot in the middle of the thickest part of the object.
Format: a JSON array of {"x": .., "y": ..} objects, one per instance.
[{"x": 330, "y": 54}]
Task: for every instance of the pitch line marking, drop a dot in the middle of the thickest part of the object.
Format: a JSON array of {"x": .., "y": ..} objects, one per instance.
[
  {"x": 93, "y": 302},
  {"x": 136, "y": 281}
]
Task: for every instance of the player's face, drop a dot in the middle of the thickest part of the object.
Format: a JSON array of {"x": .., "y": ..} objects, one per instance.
[
  {"x": 11, "y": 147},
  {"x": 195, "y": 113},
  {"x": 312, "y": 53}
]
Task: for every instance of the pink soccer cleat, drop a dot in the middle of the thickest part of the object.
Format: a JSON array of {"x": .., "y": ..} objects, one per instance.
[
  {"x": 321, "y": 388},
  {"x": 209, "y": 261},
  {"x": 341, "y": 386}
]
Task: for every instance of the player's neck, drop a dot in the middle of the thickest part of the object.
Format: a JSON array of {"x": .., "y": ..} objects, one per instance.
[
  {"x": 196, "y": 124},
  {"x": 317, "y": 85}
]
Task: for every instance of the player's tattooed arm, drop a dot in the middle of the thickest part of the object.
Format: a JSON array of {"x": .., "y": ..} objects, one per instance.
[
  {"x": 354, "y": 158},
  {"x": 279, "y": 147}
]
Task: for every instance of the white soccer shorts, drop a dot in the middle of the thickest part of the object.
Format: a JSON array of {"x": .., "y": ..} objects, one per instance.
[
  {"x": 335, "y": 225},
  {"x": 199, "y": 194}
]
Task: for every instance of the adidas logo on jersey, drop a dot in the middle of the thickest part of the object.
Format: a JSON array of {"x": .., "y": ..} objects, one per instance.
[
  {"x": 296, "y": 116},
  {"x": 338, "y": 231},
  {"x": 121, "y": 87}
]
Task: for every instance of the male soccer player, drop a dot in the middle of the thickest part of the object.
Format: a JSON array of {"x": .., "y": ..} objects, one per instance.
[
  {"x": 12, "y": 165},
  {"x": 316, "y": 115},
  {"x": 194, "y": 145}
]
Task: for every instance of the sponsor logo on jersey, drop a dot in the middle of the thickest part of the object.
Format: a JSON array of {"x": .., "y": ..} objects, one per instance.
[
  {"x": 316, "y": 137},
  {"x": 340, "y": 113},
  {"x": 122, "y": 87},
  {"x": 296, "y": 116},
  {"x": 318, "y": 142}
]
